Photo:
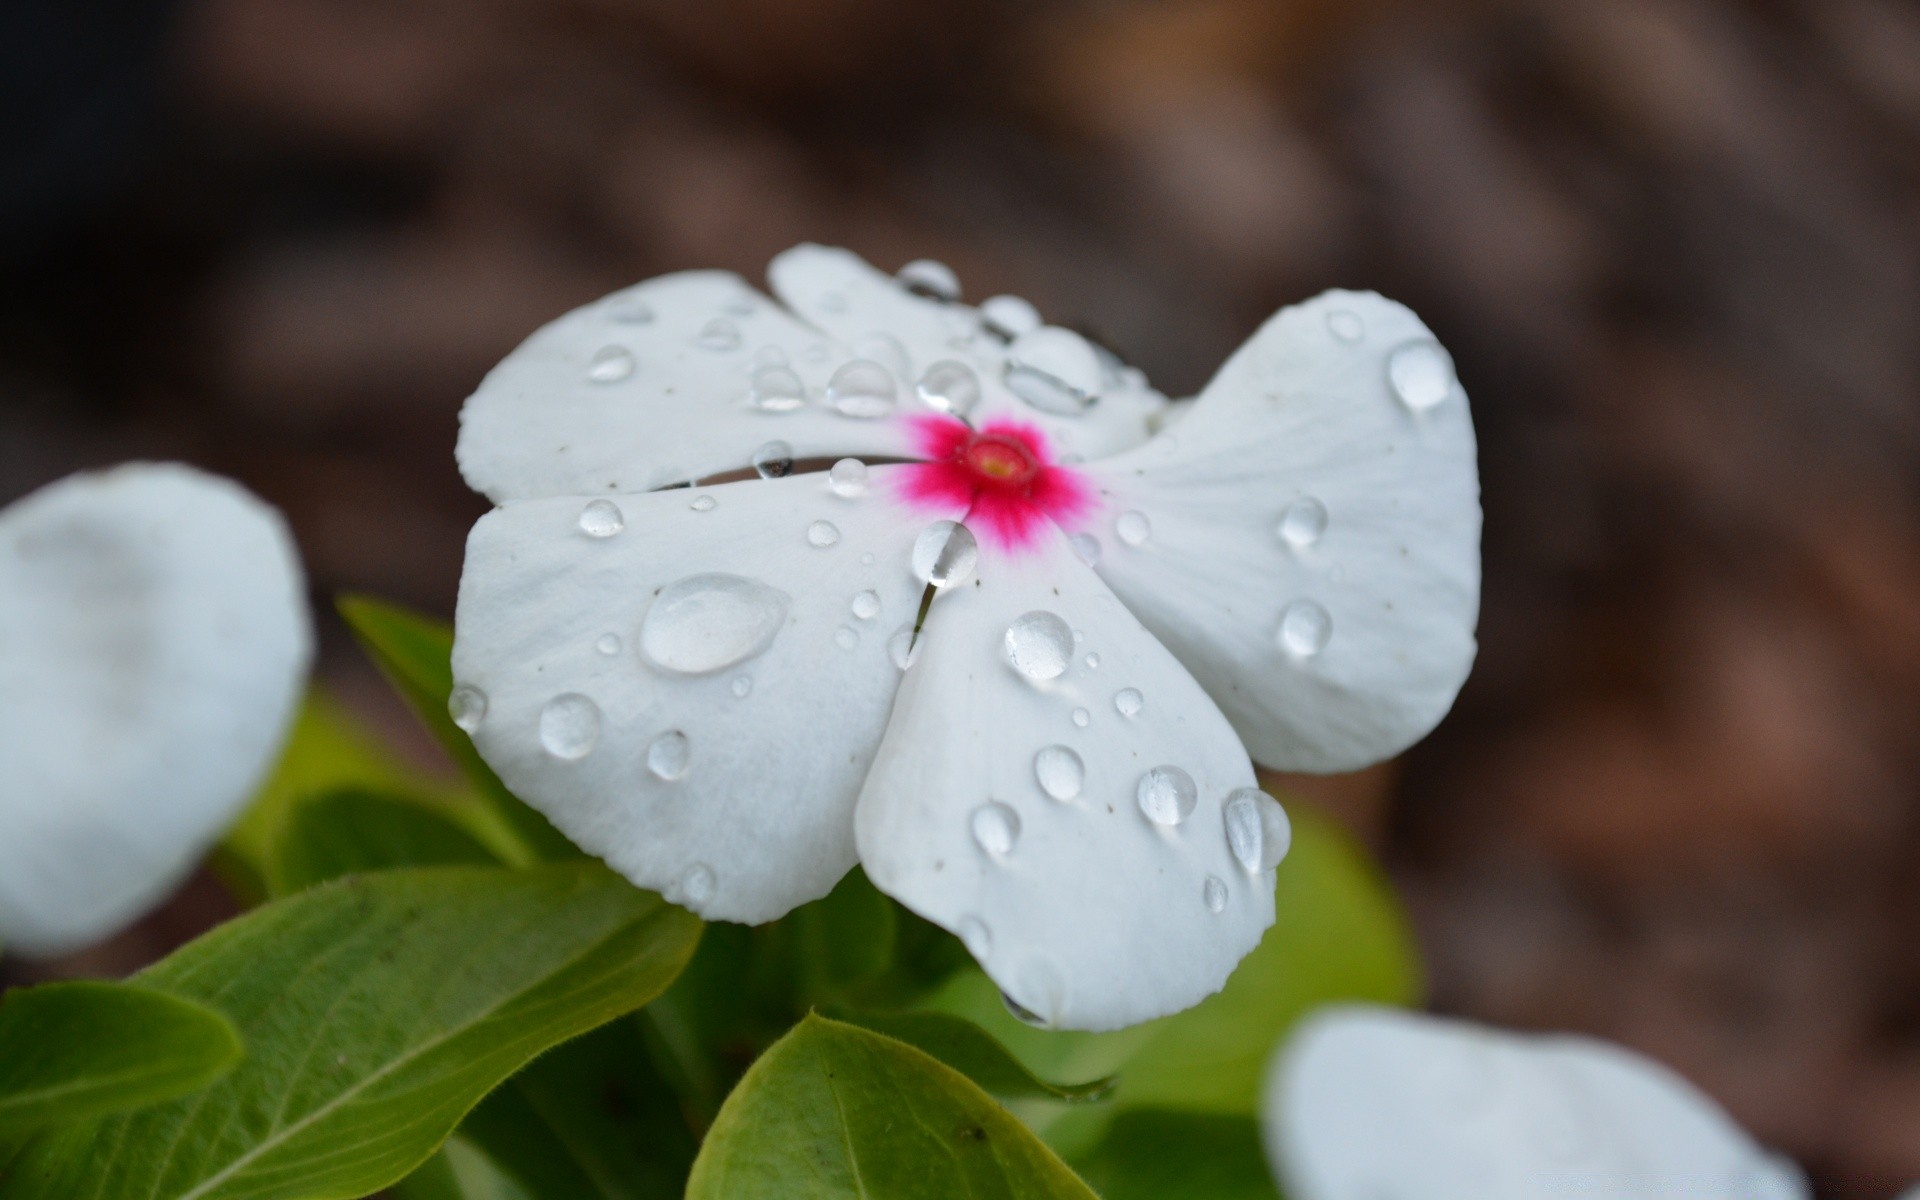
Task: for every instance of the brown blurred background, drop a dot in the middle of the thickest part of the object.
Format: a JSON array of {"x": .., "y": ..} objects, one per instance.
[{"x": 1673, "y": 244}]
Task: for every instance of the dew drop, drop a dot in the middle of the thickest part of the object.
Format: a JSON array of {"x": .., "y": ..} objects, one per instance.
[
  {"x": 974, "y": 936},
  {"x": 866, "y": 605},
  {"x": 1082, "y": 717},
  {"x": 773, "y": 460},
  {"x": 945, "y": 554},
  {"x": 1129, "y": 701},
  {"x": 1093, "y": 662},
  {"x": 1302, "y": 523},
  {"x": 702, "y": 503},
  {"x": 669, "y": 755},
  {"x": 1133, "y": 528},
  {"x": 1038, "y": 645},
  {"x": 1053, "y": 369},
  {"x": 569, "y": 726},
  {"x": 1214, "y": 892},
  {"x": 1258, "y": 832},
  {"x": 601, "y": 519},
  {"x": 608, "y": 644},
  {"x": 903, "y": 648},
  {"x": 1305, "y": 628},
  {"x": 1059, "y": 772},
  {"x": 467, "y": 706},
  {"x": 862, "y": 388},
  {"x": 697, "y": 885},
  {"x": 706, "y": 622},
  {"x": 1009, "y": 316},
  {"x": 996, "y": 827},
  {"x": 846, "y": 637},
  {"x": 741, "y": 685},
  {"x": 719, "y": 334},
  {"x": 848, "y": 478},
  {"x": 778, "y": 389},
  {"x": 822, "y": 534},
  {"x": 610, "y": 364},
  {"x": 1022, "y": 1013},
  {"x": 1087, "y": 547},
  {"x": 949, "y": 387},
  {"x": 1167, "y": 795},
  {"x": 929, "y": 278},
  {"x": 1421, "y": 374},
  {"x": 1346, "y": 325}
]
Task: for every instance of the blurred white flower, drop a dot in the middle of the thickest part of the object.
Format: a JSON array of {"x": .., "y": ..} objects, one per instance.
[
  {"x": 154, "y": 637},
  {"x": 726, "y": 691},
  {"x": 1363, "y": 1103}
]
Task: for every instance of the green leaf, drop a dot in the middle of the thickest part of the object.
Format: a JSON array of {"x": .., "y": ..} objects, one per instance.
[
  {"x": 354, "y": 830},
  {"x": 833, "y": 1111},
  {"x": 415, "y": 653},
  {"x": 1159, "y": 1154},
  {"x": 376, "y": 1011},
  {"x": 72, "y": 1052},
  {"x": 973, "y": 1052}
]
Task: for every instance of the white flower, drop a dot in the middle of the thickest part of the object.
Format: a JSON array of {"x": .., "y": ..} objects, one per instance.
[
  {"x": 1367, "y": 1102},
  {"x": 710, "y": 688},
  {"x": 153, "y": 640}
]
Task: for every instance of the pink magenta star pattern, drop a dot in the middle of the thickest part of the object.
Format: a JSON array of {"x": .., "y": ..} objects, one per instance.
[{"x": 1003, "y": 474}]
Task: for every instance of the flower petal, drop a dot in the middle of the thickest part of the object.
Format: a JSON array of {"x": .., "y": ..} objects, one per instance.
[
  {"x": 154, "y": 636},
  {"x": 655, "y": 385},
  {"x": 874, "y": 314},
  {"x": 1005, "y": 801},
  {"x": 1378, "y": 1102},
  {"x": 1307, "y": 537},
  {"x": 690, "y": 684}
]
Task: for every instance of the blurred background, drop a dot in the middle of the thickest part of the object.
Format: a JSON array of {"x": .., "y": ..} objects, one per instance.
[{"x": 1673, "y": 244}]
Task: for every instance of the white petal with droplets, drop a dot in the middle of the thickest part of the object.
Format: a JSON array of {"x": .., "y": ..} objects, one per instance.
[
  {"x": 1095, "y": 917},
  {"x": 153, "y": 640},
  {"x": 1314, "y": 555},
  {"x": 756, "y": 816}
]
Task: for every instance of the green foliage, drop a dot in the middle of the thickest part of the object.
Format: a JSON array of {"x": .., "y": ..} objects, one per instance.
[
  {"x": 72, "y": 1052},
  {"x": 973, "y": 1052},
  {"x": 376, "y": 1011},
  {"x": 1163, "y": 1154},
  {"x": 458, "y": 1172},
  {"x": 353, "y": 830},
  {"x": 834, "y": 1111}
]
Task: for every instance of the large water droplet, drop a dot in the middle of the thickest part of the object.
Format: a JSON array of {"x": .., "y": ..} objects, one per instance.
[
  {"x": 944, "y": 554},
  {"x": 866, "y": 605},
  {"x": 1039, "y": 644},
  {"x": 903, "y": 648},
  {"x": 1053, "y": 369},
  {"x": 1087, "y": 547},
  {"x": 467, "y": 705},
  {"x": 949, "y": 387},
  {"x": 610, "y": 364},
  {"x": 848, "y": 478},
  {"x": 1214, "y": 893},
  {"x": 1133, "y": 528},
  {"x": 703, "y": 504},
  {"x": 996, "y": 827},
  {"x": 669, "y": 755},
  {"x": 974, "y": 936},
  {"x": 1258, "y": 832},
  {"x": 1421, "y": 373},
  {"x": 1059, "y": 771},
  {"x": 1021, "y": 1012},
  {"x": 1128, "y": 701},
  {"x": 601, "y": 519},
  {"x": 569, "y": 726},
  {"x": 698, "y": 884},
  {"x": 774, "y": 460},
  {"x": 862, "y": 388},
  {"x": 1302, "y": 523},
  {"x": 1082, "y": 717},
  {"x": 1346, "y": 325},
  {"x": 932, "y": 279},
  {"x": 1167, "y": 795},
  {"x": 822, "y": 534},
  {"x": 705, "y": 622},
  {"x": 719, "y": 334},
  {"x": 1009, "y": 316},
  {"x": 1305, "y": 628},
  {"x": 778, "y": 389},
  {"x": 607, "y": 644}
]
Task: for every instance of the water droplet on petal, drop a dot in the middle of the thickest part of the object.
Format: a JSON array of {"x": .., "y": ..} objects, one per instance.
[
  {"x": 1214, "y": 892},
  {"x": 705, "y": 622},
  {"x": 1167, "y": 795},
  {"x": 778, "y": 389},
  {"x": 630, "y": 310},
  {"x": 945, "y": 554},
  {"x": 1053, "y": 369},
  {"x": 1258, "y": 832},
  {"x": 929, "y": 278},
  {"x": 974, "y": 936},
  {"x": 610, "y": 364},
  {"x": 1133, "y": 528},
  {"x": 846, "y": 637},
  {"x": 608, "y": 644},
  {"x": 866, "y": 605},
  {"x": 1082, "y": 717},
  {"x": 996, "y": 827},
  {"x": 862, "y": 388},
  {"x": 669, "y": 755},
  {"x": 1087, "y": 547},
  {"x": 569, "y": 726},
  {"x": 1346, "y": 325},
  {"x": 1421, "y": 373},
  {"x": 697, "y": 885},
  {"x": 719, "y": 334},
  {"x": 1128, "y": 701},
  {"x": 848, "y": 478},
  {"x": 1059, "y": 771},
  {"x": 822, "y": 534},
  {"x": 1303, "y": 522},
  {"x": 774, "y": 460},
  {"x": 601, "y": 519},
  {"x": 1305, "y": 628},
  {"x": 467, "y": 706},
  {"x": 742, "y": 684},
  {"x": 1009, "y": 316},
  {"x": 1021, "y": 1013},
  {"x": 702, "y": 503},
  {"x": 1093, "y": 662},
  {"x": 1038, "y": 645},
  {"x": 949, "y": 387},
  {"x": 903, "y": 648}
]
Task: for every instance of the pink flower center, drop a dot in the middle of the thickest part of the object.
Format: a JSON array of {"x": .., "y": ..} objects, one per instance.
[{"x": 1002, "y": 475}]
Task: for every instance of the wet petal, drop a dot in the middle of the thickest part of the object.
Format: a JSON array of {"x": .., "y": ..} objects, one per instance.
[
  {"x": 1307, "y": 537},
  {"x": 1366, "y": 1102},
  {"x": 692, "y": 684},
  {"x": 153, "y": 639},
  {"x": 1051, "y": 788}
]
